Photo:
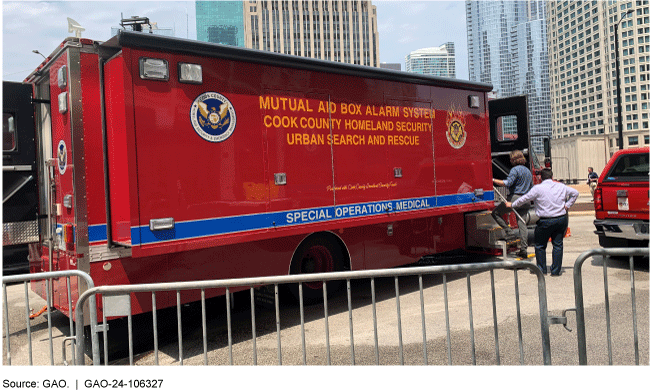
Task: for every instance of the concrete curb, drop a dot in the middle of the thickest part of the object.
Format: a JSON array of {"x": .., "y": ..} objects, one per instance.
[{"x": 582, "y": 213}]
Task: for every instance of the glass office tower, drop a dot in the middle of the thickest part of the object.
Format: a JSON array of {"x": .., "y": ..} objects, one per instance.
[
  {"x": 507, "y": 47},
  {"x": 220, "y": 22},
  {"x": 435, "y": 61},
  {"x": 531, "y": 78},
  {"x": 334, "y": 30}
]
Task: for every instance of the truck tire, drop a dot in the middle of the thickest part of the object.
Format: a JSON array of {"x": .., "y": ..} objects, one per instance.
[
  {"x": 316, "y": 254},
  {"x": 612, "y": 242}
]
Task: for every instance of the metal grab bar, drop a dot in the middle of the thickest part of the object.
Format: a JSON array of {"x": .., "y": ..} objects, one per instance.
[
  {"x": 506, "y": 153},
  {"x": 494, "y": 162},
  {"x": 17, "y": 188},
  {"x": 503, "y": 199}
]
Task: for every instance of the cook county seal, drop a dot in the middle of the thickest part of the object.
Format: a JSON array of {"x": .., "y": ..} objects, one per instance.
[
  {"x": 456, "y": 134},
  {"x": 62, "y": 156},
  {"x": 213, "y": 117}
]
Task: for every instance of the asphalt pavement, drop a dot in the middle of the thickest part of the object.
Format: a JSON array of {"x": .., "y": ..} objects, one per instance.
[
  {"x": 584, "y": 205},
  {"x": 517, "y": 331}
]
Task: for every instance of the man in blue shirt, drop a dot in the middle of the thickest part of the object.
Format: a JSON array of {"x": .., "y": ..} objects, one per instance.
[
  {"x": 519, "y": 182},
  {"x": 592, "y": 180},
  {"x": 552, "y": 202}
]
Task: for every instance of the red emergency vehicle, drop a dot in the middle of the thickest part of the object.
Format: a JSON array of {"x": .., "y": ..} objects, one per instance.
[
  {"x": 164, "y": 159},
  {"x": 621, "y": 200}
]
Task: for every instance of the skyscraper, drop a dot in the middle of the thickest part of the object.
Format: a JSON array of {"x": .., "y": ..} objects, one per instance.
[
  {"x": 435, "y": 61},
  {"x": 508, "y": 48},
  {"x": 583, "y": 84},
  {"x": 220, "y": 22},
  {"x": 342, "y": 31}
]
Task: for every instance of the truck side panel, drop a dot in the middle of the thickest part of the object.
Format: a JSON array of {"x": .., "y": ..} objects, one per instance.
[
  {"x": 220, "y": 192},
  {"x": 121, "y": 157}
]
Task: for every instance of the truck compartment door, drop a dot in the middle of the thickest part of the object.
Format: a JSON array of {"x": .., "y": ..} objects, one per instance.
[
  {"x": 410, "y": 152},
  {"x": 359, "y": 154},
  {"x": 299, "y": 182},
  {"x": 462, "y": 156},
  {"x": 20, "y": 193},
  {"x": 410, "y": 162},
  {"x": 462, "y": 161},
  {"x": 200, "y": 158}
]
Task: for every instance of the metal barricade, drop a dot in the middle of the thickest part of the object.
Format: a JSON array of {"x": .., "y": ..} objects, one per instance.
[
  {"x": 580, "y": 305},
  {"x": 48, "y": 277},
  {"x": 123, "y": 293}
]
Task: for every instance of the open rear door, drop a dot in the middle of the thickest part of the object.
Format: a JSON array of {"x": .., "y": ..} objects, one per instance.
[
  {"x": 19, "y": 178},
  {"x": 508, "y": 131}
]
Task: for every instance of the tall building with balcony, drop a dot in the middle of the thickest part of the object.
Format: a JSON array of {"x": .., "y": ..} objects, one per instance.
[
  {"x": 333, "y": 30},
  {"x": 435, "y": 61},
  {"x": 583, "y": 79},
  {"x": 507, "y": 47}
]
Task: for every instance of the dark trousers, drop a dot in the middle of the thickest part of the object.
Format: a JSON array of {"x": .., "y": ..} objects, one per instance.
[
  {"x": 553, "y": 228},
  {"x": 501, "y": 209}
]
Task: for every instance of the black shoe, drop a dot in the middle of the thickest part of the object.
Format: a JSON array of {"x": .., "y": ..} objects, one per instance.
[
  {"x": 555, "y": 274},
  {"x": 523, "y": 254}
]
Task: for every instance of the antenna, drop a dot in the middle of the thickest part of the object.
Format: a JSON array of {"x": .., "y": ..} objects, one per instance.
[
  {"x": 135, "y": 22},
  {"x": 75, "y": 27},
  {"x": 141, "y": 24}
]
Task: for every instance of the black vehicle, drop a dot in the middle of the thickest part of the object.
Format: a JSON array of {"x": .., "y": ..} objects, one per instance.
[{"x": 19, "y": 177}]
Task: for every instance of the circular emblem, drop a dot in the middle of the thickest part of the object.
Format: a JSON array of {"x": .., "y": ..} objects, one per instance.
[
  {"x": 62, "y": 156},
  {"x": 213, "y": 117},
  {"x": 456, "y": 134}
]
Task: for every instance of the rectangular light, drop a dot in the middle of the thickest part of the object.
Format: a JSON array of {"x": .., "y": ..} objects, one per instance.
[
  {"x": 190, "y": 73},
  {"x": 474, "y": 101},
  {"x": 154, "y": 69},
  {"x": 62, "y": 77},
  {"x": 63, "y": 102}
]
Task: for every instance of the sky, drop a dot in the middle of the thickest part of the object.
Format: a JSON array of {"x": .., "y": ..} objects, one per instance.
[{"x": 403, "y": 25}]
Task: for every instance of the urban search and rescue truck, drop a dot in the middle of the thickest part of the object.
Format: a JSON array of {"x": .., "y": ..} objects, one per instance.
[{"x": 164, "y": 159}]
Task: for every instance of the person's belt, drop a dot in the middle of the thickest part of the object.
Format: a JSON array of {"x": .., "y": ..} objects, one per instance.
[{"x": 559, "y": 216}]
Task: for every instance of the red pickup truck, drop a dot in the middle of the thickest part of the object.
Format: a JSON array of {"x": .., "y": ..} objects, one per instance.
[{"x": 621, "y": 200}]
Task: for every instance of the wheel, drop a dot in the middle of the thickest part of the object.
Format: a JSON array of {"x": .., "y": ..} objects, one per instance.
[
  {"x": 315, "y": 255},
  {"x": 612, "y": 242}
]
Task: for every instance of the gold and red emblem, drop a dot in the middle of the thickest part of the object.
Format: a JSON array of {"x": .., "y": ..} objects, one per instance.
[{"x": 456, "y": 134}]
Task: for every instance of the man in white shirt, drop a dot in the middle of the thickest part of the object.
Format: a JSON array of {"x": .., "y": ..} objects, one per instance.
[{"x": 552, "y": 202}]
